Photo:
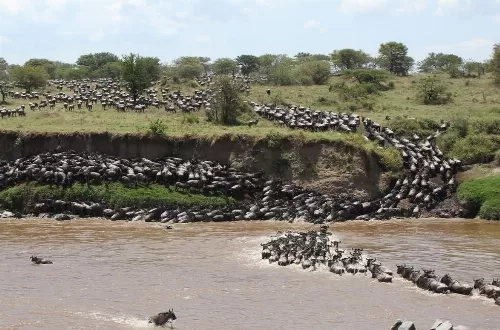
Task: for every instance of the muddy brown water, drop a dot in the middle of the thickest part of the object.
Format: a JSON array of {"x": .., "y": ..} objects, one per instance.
[{"x": 114, "y": 275}]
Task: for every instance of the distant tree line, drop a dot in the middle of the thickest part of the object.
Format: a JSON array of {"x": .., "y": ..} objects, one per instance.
[{"x": 278, "y": 69}]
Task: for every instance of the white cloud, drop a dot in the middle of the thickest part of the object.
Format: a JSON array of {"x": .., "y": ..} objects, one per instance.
[
  {"x": 202, "y": 38},
  {"x": 362, "y": 6},
  {"x": 4, "y": 40},
  {"x": 381, "y": 6},
  {"x": 313, "y": 24},
  {"x": 96, "y": 19}
]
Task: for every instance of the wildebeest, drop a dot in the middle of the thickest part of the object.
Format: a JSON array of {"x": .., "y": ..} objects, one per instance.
[
  {"x": 39, "y": 261},
  {"x": 163, "y": 318}
]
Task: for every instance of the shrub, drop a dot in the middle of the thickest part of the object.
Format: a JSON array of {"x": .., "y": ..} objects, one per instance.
[
  {"x": 317, "y": 71},
  {"x": 482, "y": 196},
  {"x": 275, "y": 139},
  {"x": 491, "y": 126},
  {"x": 190, "y": 119},
  {"x": 421, "y": 127},
  {"x": 157, "y": 127},
  {"x": 228, "y": 104},
  {"x": 432, "y": 91},
  {"x": 24, "y": 196},
  {"x": 475, "y": 148}
]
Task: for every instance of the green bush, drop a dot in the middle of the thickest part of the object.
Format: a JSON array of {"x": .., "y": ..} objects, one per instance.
[
  {"x": 490, "y": 126},
  {"x": 116, "y": 195},
  {"x": 482, "y": 196},
  {"x": 190, "y": 119},
  {"x": 432, "y": 91},
  {"x": 421, "y": 127},
  {"x": 477, "y": 148},
  {"x": 157, "y": 127}
]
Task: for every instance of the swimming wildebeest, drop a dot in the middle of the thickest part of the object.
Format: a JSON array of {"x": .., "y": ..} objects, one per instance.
[
  {"x": 39, "y": 261},
  {"x": 163, "y": 318}
]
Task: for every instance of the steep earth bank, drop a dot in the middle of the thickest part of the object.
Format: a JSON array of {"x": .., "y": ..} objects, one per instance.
[{"x": 326, "y": 166}]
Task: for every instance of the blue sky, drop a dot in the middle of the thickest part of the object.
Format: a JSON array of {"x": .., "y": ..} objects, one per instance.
[{"x": 64, "y": 29}]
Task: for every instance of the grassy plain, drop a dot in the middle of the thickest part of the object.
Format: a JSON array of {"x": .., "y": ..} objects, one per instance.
[{"x": 475, "y": 109}]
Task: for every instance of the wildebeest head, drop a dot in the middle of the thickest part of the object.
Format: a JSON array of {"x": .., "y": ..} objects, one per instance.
[{"x": 479, "y": 283}]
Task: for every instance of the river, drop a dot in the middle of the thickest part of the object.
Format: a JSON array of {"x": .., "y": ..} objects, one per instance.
[{"x": 114, "y": 275}]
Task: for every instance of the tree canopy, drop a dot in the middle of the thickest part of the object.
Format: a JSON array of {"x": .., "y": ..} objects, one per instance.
[
  {"x": 225, "y": 66},
  {"x": 96, "y": 61},
  {"x": 495, "y": 64},
  {"x": 30, "y": 77},
  {"x": 347, "y": 59},
  {"x": 393, "y": 56},
  {"x": 248, "y": 63},
  {"x": 137, "y": 72},
  {"x": 443, "y": 62},
  {"x": 47, "y": 65}
]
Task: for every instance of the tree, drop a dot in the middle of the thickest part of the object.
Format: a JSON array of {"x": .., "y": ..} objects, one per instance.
[
  {"x": 267, "y": 63},
  {"x": 112, "y": 70},
  {"x": 443, "y": 62},
  {"x": 228, "y": 103},
  {"x": 4, "y": 78},
  {"x": 96, "y": 61},
  {"x": 346, "y": 59},
  {"x": 393, "y": 56},
  {"x": 152, "y": 66},
  {"x": 136, "y": 74},
  {"x": 364, "y": 76},
  {"x": 225, "y": 66},
  {"x": 30, "y": 77},
  {"x": 248, "y": 63},
  {"x": 4, "y": 70},
  {"x": 495, "y": 64},
  {"x": 188, "y": 67},
  {"x": 472, "y": 69},
  {"x": 318, "y": 71},
  {"x": 304, "y": 57},
  {"x": 47, "y": 65}
]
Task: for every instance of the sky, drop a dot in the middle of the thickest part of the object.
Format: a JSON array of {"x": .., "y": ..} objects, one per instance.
[{"x": 63, "y": 30}]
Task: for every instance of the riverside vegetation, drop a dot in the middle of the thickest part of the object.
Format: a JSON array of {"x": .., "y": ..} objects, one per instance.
[{"x": 447, "y": 89}]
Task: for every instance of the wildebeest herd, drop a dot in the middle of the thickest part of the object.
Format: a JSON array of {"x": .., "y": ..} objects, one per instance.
[
  {"x": 438, "y": 325},
  {"x": 314, "y": 248},
  {"x": 429, "y": 176},
  {"x": 256, "y": 197}
]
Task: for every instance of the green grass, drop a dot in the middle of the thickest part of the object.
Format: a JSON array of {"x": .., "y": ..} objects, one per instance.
[
  {"x": 115, "y": 195},
  {"x": 482, "y": 195},
  {"x": 474, "y": 104}
]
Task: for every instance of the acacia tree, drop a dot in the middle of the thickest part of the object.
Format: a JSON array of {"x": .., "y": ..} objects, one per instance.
[
  {"x": 393, "y": 56},
  {"x": 96, "y": 61},
  {"x": 440, "y": 61},
  {"x": 189, "y": 67},
  {"x": 495, "y": 64},
  {"x": 137, "y": 74},
  {"x": 225, "y": 66},
  {"x": 248, "y": 63},
  {"x": 30, "y": 77},
  {"x": 48, "y": 65},
  {"x": 347, "y": 59},
  {"x": 227, "y": 101},
  {"x": 318, "y": 71}
]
